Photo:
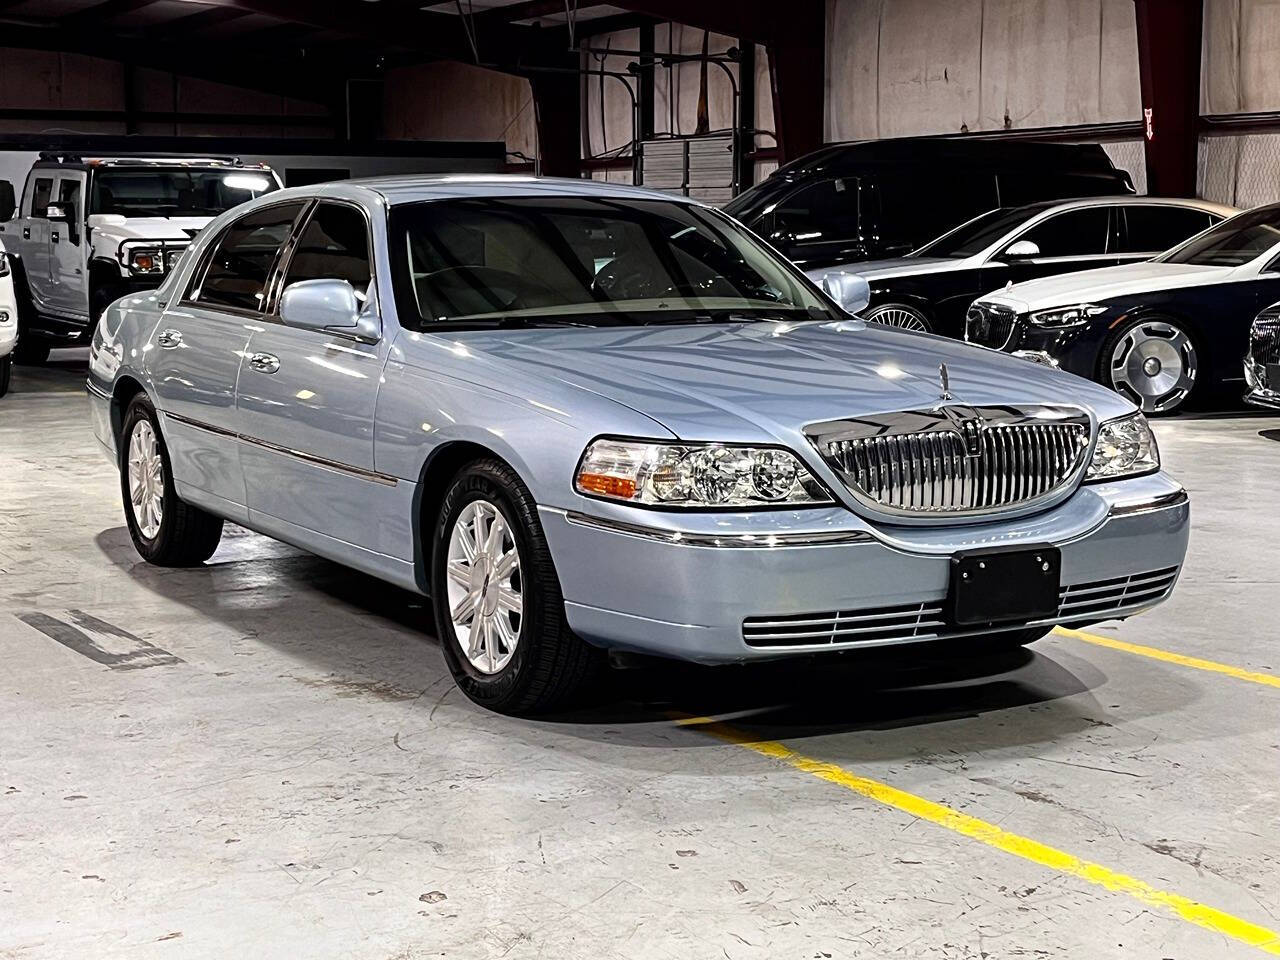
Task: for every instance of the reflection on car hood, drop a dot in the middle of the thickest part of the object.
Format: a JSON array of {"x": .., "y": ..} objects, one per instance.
[
  {"x": 152, "y": 228},
  {"x": 745, "y": 382},
  {"x": 1091, "y": 285},
  {"x": 897, "y": 267}
]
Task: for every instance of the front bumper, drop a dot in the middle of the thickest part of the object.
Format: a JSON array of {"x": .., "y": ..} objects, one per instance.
[
  {"x": 1264, "y": 391},
  {"x": 698, "y": 586}
]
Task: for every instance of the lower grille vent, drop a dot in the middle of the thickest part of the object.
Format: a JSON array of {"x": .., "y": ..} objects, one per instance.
[{"x": 873, "y": 626}]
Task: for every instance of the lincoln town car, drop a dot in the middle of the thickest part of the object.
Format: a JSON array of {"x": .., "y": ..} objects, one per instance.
[{"x": 584, "y": 417}]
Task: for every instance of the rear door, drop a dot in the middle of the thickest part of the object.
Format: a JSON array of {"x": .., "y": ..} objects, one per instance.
[
  {"x": 196, "y": 352},
  {"x": 1149, "y": 229},
  {"x": 68, "y": 287},
  {"x": 306, "y": 398}
]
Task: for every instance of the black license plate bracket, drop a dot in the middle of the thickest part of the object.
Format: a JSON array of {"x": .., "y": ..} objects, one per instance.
[{"x": 1004, "y": 585}]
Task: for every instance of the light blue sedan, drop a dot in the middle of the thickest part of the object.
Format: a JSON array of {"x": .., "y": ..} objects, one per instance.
[{"x": 581, "y": 416}]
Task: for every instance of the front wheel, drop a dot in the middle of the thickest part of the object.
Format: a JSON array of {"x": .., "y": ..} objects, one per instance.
[
  {"x": 165, "y": 530},
  {"x": 1153, "y": 362},
  {"x": 499, "y": 610}
]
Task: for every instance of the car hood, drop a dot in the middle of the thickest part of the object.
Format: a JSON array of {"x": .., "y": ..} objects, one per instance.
[
  {"x": 897, "y": 267},
  {"x": 152, "y": 228},
  {"x": 1127, "y": 280},
  {"x": 762, "y": 381}
]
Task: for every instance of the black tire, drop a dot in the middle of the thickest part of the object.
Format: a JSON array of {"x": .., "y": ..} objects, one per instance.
[
  {"x": 187, "y": 535},
  {"x": 31, "y": 352},
  {"x": 1107, "y": 377},
  {"x": 900, "y": 315},
  {"x": 6, "y": 372},
  {"x": 549, "y": 666}
]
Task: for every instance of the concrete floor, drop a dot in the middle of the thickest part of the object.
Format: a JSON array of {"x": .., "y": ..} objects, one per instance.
[{"x": 270, "y": 760}]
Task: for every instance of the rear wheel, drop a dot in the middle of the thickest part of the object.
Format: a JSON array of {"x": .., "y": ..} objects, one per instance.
[
  {"x": 165, "y": 530},
  {"x": 1153, "y": 362},
  {"x": 499, "y": 610},
  {"x": 898, "y": 315}
]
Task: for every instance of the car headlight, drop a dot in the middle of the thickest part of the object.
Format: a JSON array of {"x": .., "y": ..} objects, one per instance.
[
  {"x": 1062, "y": 318},
  {"x": 696, "y": 475},
  {"x": 1125, "y": 447},
  {"x": 145, "y": 260}
]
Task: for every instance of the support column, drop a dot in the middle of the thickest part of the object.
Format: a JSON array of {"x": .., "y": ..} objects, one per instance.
[
  {"x": 797, "y": 75},
  {"x": 1169, "y": 33},
  {"x": 557, "y": 104}
]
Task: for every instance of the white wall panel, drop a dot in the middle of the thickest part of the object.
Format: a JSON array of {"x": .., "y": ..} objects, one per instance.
[
  {"x": 912, "y": 67},
  {"x": 1241, "y": 49}
]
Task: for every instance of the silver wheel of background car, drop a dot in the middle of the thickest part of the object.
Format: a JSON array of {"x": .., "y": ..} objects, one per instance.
[
  {"x": 146, "y": 479},
  {"x": 1154, "y": 365},
  {"x": 484, "y": 586},
  {"x": 898, "y": 315}
]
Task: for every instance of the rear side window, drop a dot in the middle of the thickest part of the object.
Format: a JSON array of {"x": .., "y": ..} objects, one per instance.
[
  {"x": 40, "y": 197},
  {"x": 1077, "y": 233},
  {"x": 333, "y": 246},
  {"x": 1155, "y": 229},
  {"x": 919, "y": 207},
  {"x": 69, "y": 196},
  {"x": 239, "y": 267}
]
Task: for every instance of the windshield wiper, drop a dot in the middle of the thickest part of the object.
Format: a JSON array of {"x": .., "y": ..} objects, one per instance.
[{"x": 522, "y": 323}]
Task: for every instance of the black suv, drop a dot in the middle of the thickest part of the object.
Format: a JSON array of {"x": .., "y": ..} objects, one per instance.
[{"x": 883, "y": 198}]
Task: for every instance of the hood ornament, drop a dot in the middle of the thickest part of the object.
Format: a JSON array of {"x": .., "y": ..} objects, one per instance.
[{"x": 945, "y": 377}]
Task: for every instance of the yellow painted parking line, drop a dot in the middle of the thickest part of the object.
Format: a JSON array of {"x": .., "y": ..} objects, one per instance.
[
  {"x": 1253, "y": 676},
  {"x": 1198, "y": 913}
]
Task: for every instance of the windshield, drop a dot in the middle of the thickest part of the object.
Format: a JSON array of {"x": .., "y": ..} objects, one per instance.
[
  {"x": 1231, "y": 243},
  {"x": 979, "y": 233},
  {"x": 586, "y": 261},
  {"x": 148, "y": 192}
]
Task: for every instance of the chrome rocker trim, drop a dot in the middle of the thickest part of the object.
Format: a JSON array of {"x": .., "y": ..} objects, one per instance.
[{"x": 333, "y": 465}]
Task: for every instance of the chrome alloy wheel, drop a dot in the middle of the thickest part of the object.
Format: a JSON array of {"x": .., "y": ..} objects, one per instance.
[
  {"x": 146, "y": 479},
  {"x": 1154, "y": 364},
  {"x": 892, "y": 315},
  {"x": 484, "y": 586}
]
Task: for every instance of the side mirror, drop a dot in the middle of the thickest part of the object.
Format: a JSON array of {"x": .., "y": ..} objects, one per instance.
[
  {"x": 8, "y": 201},
  {"x": 327, "y": 305},
  {"x": 1022, "y": 250},
  {"x": 850, "y": 290},
  {"x": 58, "y": 212}
]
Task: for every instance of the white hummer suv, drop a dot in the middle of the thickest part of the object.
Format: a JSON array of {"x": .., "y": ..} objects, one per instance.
[{"x": 91, "y": 230}]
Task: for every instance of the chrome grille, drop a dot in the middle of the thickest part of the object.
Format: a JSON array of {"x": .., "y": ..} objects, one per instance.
[
  {"x": 1264, "y": 340},
  {"x": 990, "y": 325},
  {"x": 873, "y": 626},
  {"x": 957, "y": 460}
]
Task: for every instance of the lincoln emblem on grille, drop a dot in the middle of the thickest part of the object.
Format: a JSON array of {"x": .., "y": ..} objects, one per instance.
[{"x": 969, "y": 428}]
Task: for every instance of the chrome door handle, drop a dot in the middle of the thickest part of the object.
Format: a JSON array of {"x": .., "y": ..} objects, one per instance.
[
  {"x": 264, "y": 362},
  {"x": 168, "y": 339}
]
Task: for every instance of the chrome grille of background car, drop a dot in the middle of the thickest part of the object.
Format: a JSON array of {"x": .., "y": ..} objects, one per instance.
[
  {"x": 965, "y": 461},
  {"x": 990, "y": 325},
  {"x": 1264, "y": 339},
  {"x": 1077, "y": 604}
]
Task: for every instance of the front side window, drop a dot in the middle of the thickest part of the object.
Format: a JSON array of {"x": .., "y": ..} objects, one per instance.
[
  {"x": 238, "y": 268},
  {"x": 334, "y": 245},
  {"x": 1077, "y": 233},
  {"x": 40, "y": 197},
  {"x": 918, "y": 207},
  {"x": 1151, "y": 229},
  {"x": 1232, "y": 243},
  {"x": 582, "y": 261},
  {"x": 979, "y": 233},
  {"x": 181, "y": 192},
  {"x": 825, "y": 211}
]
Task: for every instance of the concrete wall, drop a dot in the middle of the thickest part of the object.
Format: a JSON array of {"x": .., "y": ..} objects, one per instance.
[
  {"x": 457, "y": 101},
  {"x": 912, "y": 67}
]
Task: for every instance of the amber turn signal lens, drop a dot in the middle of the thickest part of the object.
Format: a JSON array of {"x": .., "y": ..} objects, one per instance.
[{"x": 621, "y": 487}]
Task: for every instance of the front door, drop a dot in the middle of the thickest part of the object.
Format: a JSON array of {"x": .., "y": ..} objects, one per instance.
[
  {"x": 68, "y": 287},
  {"x": 306, "y": 401},
  {"x": 1081, "y": 239},
  {"x": 34, "y": 244},
  {"x": 196, "y": 351}
]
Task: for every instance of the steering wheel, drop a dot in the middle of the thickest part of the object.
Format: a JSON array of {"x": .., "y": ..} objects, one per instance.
[{"x": 483, "y": 285}]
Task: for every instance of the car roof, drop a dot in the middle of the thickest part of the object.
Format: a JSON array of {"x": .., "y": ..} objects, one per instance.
[
  {"x": 1128, "y": 200},
  {"x": 397, "y": 190}
]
